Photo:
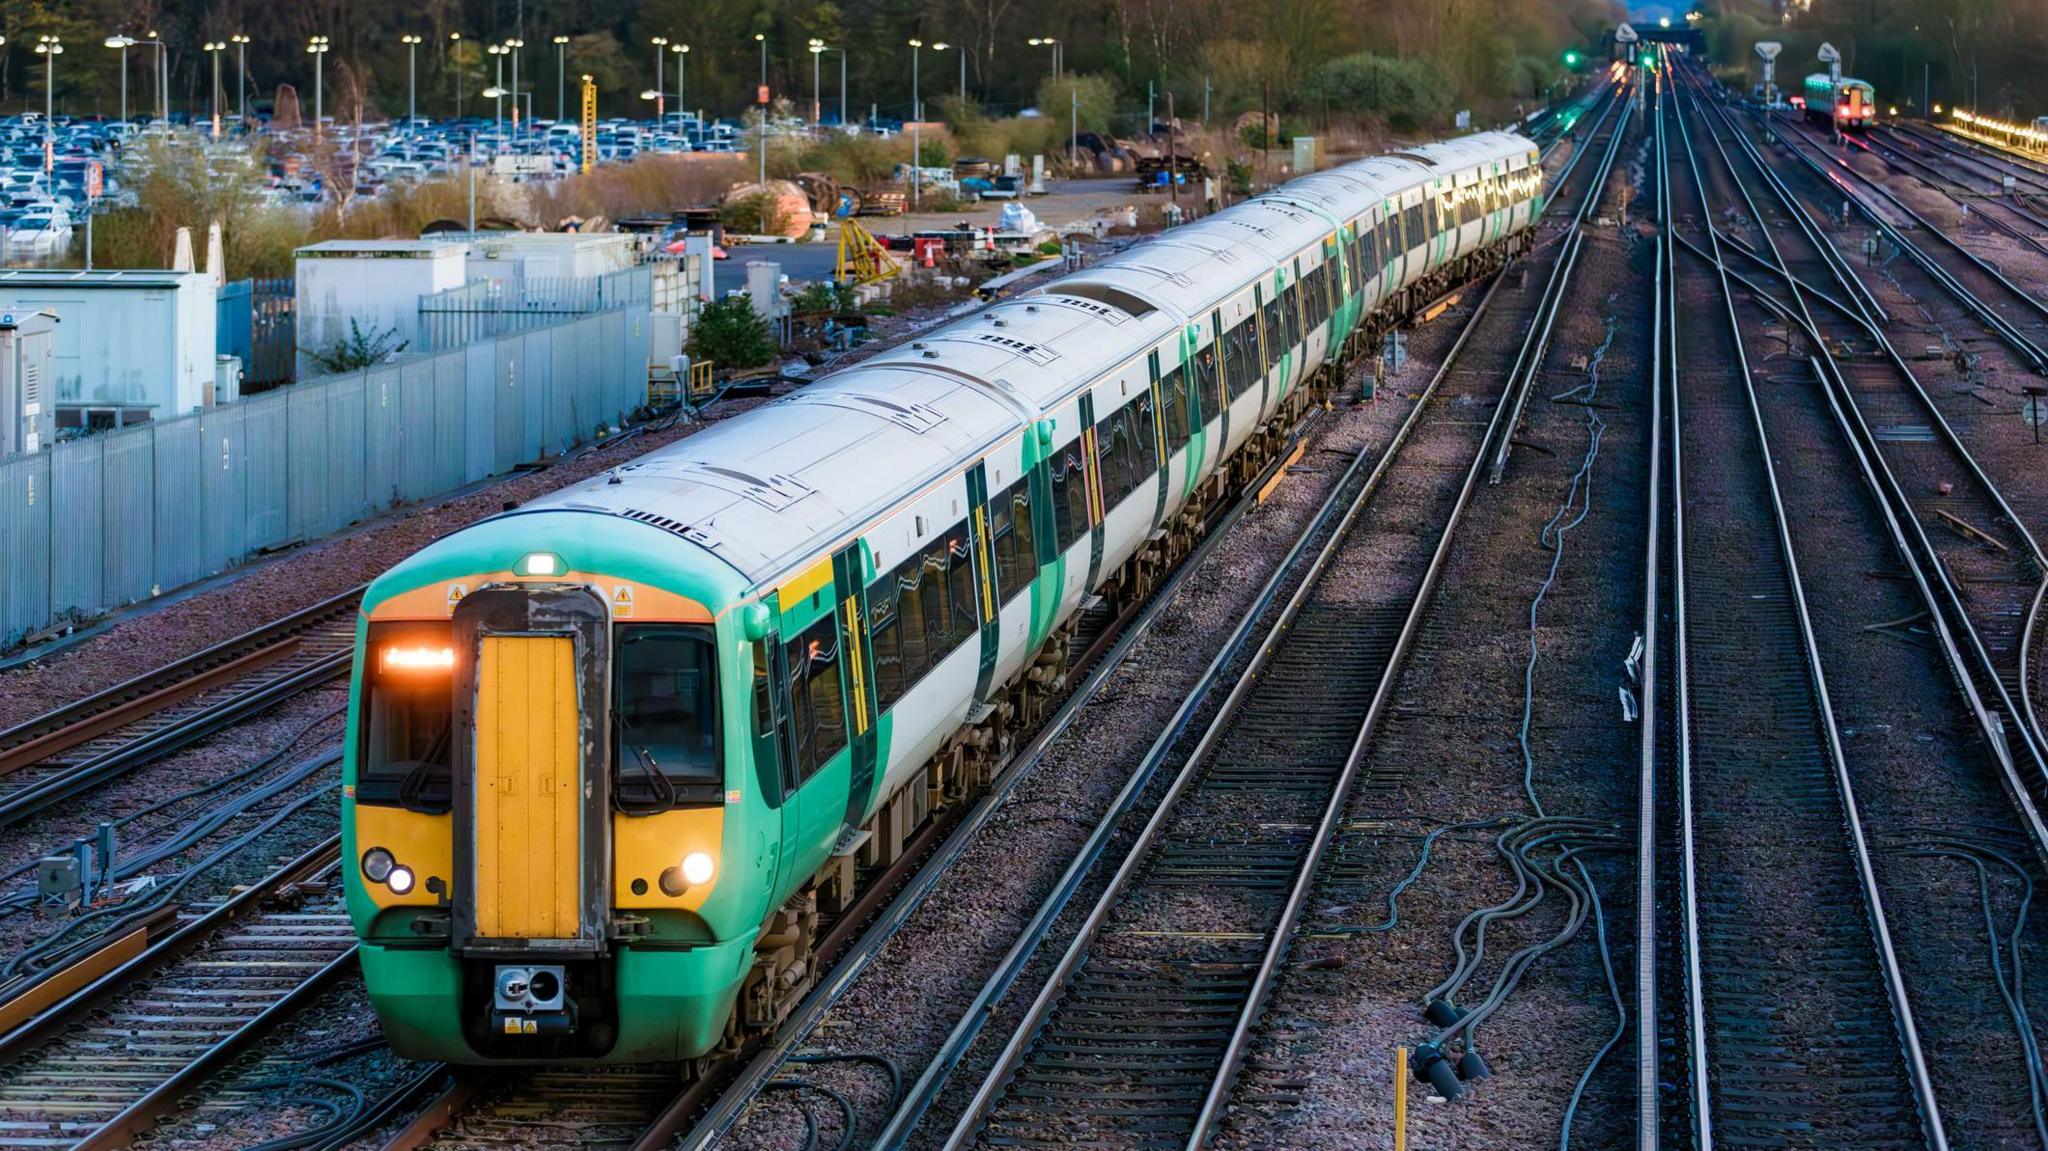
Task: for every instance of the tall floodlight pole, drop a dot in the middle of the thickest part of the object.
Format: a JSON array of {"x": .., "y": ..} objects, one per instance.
[
  {"x": 163, "y": 88},
  {"x": 682, "y": 52},
  {"x": 660, "y": 101},
  {"x": 916, "y": 47},
  {"x": 123, "y": 43},
  {"x": 49, "y": 48},
  {"x": 412, "y": 81},
  {"x": 497, "y": 90},
  {"x": 319, "y": 47},
  {"x": 241, "y": 44},
  {"x": 455, "y": 54},
  {"x": 561, "y": 77},
  {"x": 842, "y": 87},
  {"x": 1051, "y": 44},
  {"x": 817, "y": 49},
  {"x": 762, "y": 39},
  {"x": 214, "y": 48},
  {"x": 513, "y": 47}
]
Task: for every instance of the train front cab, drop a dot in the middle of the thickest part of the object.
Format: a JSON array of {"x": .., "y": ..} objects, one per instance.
[{"x": 582, "y": 892}]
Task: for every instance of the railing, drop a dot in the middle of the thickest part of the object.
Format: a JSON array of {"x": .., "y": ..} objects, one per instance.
[{"x": 486, "y": 308}]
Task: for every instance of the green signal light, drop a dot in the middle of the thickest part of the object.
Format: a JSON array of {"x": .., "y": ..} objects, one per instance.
[{"x": 1571, "y": 59}]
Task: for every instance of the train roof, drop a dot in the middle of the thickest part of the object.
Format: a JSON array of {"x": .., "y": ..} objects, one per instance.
[{"x": 760, "y": 493}]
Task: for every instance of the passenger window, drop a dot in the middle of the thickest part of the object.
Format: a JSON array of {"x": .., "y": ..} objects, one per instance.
[{"x": 1278, "y": 338}]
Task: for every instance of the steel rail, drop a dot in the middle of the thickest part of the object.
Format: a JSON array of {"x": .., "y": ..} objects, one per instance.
[
  {"x": 1887, "y": 958},
  {"x": 50, "y": 730},
  {"x": 176, "y": 944},
  {"x": 1699, "y": 1087},
  {"x": 1536, "y": 342},
  {"x": 1649, "y": 1096},
  {"x": 766, "y": 1062}
]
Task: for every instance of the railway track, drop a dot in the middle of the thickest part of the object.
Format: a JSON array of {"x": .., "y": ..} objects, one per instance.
[
  {"x": 122, "y": 1045},
  {"x": 1796, "y": 1015},
  {"x": 1987, "y": 569},
  {"x": 2010, "y": 311},
  {"x": 1827, "y": 420},
  {"x": 2003, "y": 213},
  {"x": 78, "y": 746}
]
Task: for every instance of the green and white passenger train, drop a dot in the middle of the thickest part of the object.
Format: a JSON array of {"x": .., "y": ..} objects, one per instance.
[{"x": 611, "y": 753}]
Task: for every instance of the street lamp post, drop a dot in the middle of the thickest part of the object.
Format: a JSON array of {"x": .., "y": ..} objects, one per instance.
[
  {"x": 455, "y": 53},
  {"x": 842, "y": 88},
  {"x": 660, "y": 101},
  {"x": 916, "y": 168},
  {"x": 123, "y": 43},
  {"x": 412, "y": 80},
  {"x": 561, "y": 77},
  {"x": 319, "y": 48},
  {"x": 497, "y": 90},
  {"x": 512, "y": 47},
  {"x": 49, "y": 49},
  {"x": 762, "y": 40},
  {"x": 214, "y": 48},
  {"x": 163, "y": 86},
  {"x": 682, "y": 52},
  {"x": 817, "y": 49},
  {"x": 241, "y": 44},
  {"x": 1054, "y": 45}
]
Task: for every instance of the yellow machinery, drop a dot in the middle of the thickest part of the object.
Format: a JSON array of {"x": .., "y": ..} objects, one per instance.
[
  {"x": 862, "y": 258},
  {"x": 589, "y": 123}
]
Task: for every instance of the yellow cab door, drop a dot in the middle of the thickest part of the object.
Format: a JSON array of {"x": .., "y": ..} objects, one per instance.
[{"x": 528, "y": 854}]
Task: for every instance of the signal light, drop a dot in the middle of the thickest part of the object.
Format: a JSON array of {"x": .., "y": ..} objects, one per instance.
[
  {"x": 540, "y": 564},
  {"x": 1571, "y": 59}
]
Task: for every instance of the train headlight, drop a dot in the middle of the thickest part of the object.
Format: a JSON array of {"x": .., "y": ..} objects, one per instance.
[
  {"x": 400, "y": 881},
  {"x": 377, "y": 864},
  {"x": 540, "y": 564},
  {"x": 698, "y": 867}
]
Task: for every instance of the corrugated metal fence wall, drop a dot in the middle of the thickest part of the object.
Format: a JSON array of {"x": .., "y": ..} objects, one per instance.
[{"x": 99, "y": 522}]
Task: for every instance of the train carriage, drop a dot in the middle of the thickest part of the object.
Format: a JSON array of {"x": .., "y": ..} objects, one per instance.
[
  {"x": 1845, "y": 103},
  {"x": 611, "y": 753}
]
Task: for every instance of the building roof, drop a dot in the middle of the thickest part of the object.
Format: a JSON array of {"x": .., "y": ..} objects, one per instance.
[
  {"x": 97, "y": 278},
  {"x": 337, "y": 249}
]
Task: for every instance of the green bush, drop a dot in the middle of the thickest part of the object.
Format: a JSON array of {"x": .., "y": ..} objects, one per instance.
[
  {"x": 359, "y": 350},
  {"x": 1384, "y": 85},
  {"x": 932, "y": 154},
  {"x": 757, "y": 214},
  {"x": 730, "y": 334}
]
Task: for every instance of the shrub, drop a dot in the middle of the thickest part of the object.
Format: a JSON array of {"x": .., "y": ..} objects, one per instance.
[
  {"x": 731, "y": 334},
  {"x": 1386, "y": 85},
  {"x": 758, "y": 214},
  {"x": 359, "y": 350}
]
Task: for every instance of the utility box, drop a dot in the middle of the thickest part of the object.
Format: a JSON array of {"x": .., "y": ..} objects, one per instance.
[
  {"x": 133, "y": 344},
  {"x": 227, "y": 379},
  {"x": 1308, "y": 154},
  {"x": 374, "y": 285},
  {"x": 764, "y": 288},
  {"x": 26, "y": 404}
]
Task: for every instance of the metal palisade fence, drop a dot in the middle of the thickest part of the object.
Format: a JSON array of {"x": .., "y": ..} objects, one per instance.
[
  {"x": 461, "y": 316},
  {"x": 96, "y": 523}
]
